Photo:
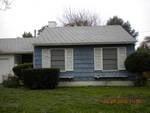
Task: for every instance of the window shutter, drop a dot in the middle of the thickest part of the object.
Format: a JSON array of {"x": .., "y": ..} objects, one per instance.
[
  {"x": 98, "y": 59},
  {"x": 46, "y": 58},
  {"x": 69, "y": 59},
  {"x": 121, "y": 57}
]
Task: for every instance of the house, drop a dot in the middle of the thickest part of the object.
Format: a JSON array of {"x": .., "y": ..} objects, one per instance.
[
  {"x": 13, "y": 52},
  {"x": 85, "y": 55}
]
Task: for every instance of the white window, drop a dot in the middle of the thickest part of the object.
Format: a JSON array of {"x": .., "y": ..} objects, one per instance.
[
  {"x": 109, "y": 58},
  {"x": 58, "y": 58},
  {"x": 62, "y": 59},
  {"x": 45, "y": 58},
  {"x": 98, "y": 59},
  {"x": 121, "y": 57},
  {"x": 69, "y": 59}
]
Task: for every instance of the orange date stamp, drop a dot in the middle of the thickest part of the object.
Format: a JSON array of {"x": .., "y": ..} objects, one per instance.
[{"x": 122, "y": 100}]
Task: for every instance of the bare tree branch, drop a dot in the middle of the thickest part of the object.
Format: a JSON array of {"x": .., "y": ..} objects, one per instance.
[
  {"x": 79, "y": 18},
  {"x": 5, "y": 4},
  {"x": 145, "y": 43}
]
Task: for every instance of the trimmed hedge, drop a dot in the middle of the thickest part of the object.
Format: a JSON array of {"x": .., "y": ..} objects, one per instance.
[
  {"x": 18, "y": 69},
  {"x": 40, "y": 78}
]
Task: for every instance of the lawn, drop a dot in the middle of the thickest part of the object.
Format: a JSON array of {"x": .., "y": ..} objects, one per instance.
[{"x": 72, "y": 100}]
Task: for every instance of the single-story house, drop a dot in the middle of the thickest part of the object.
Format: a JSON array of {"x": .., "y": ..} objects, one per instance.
[
  {"x": 85, "y": 55},
  {"x": 14, "y": 51}
]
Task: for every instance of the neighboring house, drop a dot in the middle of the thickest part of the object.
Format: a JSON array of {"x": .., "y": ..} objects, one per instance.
[
  {"x": 84, "y": 55},
  {"x": 13, "y": 52}
]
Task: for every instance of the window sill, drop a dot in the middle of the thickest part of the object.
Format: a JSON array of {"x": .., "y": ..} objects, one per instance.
[
  {"x": 65, "y": 71},
  {"x": 62, "y": 70},
  {"x": 109, "y": 70}
]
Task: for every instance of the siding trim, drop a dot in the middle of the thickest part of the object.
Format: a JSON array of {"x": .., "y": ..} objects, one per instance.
[
  {"x": 46, "y": 58},
  {"x": 98, "y": 59},
  {"x": 34, "y": 65},
  {"x": 69, "y": 59},
  {"x": 122, "y": 54}
]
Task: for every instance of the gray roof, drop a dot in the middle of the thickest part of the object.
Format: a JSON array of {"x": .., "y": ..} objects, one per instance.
[
  {"x": 84, "y": 36},
  {"x": 16, "y": 45},
  {"x": 68, "y": 36}
]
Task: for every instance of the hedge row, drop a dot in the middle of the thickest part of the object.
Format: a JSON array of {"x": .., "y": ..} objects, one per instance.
[
  {"x": 40, "y": 78},
  {"x": 18, "y": 69},
  {"x": 36, "y": 78}
]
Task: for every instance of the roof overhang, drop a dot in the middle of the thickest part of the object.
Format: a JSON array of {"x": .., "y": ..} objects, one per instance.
[
  {"x": 27, "y": 52},
  {"x": 85, "y": 43}
]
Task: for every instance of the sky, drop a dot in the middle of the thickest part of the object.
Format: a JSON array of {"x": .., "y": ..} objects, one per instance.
[{"x": 27, "y": 15}]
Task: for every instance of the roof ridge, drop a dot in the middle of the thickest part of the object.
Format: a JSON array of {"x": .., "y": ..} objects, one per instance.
[
  {"x": 17, "y": 38},
  {"x": 83, "y": 26}
]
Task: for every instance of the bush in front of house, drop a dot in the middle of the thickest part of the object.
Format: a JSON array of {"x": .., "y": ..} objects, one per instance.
[
  {"x": 46, "y": 78},
  {"x": 138, "y": 62},
  {"x": 11, "y": 82},
  {"x": 18, "y": 69}
]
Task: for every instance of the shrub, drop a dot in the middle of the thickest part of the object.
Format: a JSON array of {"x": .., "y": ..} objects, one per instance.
[
  {"x": 40, "y": 78},
  {"x": 140, "y": 81},
  {"x": 138, "y": 63},
  {"x": 18, "y": 69},
  {"x": 146, "y": 74},
  {"x": 11, "y": 82}
]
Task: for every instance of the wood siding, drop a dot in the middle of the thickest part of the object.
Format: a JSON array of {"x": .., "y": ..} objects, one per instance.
[
  {"x": 84, "y": 63},
  {"x": 37, "y": 59}
]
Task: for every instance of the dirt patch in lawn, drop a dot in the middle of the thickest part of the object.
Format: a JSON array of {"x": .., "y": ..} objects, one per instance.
[{"x": 122, "y": 100}]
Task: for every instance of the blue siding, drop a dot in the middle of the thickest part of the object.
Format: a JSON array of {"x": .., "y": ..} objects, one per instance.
[
  {"x": 84, "y": 64},
  {"x": 83, "y": 60},
  {"x": 130, "y": 49},
  {"x": 37, "y": 57}
]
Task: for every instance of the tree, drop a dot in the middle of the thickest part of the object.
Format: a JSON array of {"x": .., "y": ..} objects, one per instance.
[
  {"x": 139, "y": 62},
  {"x": 79, "y": 18},
  {"x": 126, "y": 25},
  {"x": 27, "y": 35},
  {"x": 146, "y": 43},
  {"x": 5, "y": 4}
]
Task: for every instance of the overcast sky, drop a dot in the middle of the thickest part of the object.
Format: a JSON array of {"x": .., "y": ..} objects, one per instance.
[{"x": 27, "y": 15}]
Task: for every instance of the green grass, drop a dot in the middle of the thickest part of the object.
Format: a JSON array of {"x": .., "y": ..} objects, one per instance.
[{"x": 71, "y": 100}]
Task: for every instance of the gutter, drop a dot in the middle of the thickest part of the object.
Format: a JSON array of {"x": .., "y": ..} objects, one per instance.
[{"x": 86, "y": 43}]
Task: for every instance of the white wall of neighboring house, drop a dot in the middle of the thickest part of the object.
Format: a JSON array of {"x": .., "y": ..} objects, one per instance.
[{"x": 7, "y": 62}]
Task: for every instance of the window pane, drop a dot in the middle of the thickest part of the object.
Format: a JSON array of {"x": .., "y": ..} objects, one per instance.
[
  {"x": 109, "y": 58},
  {"x": 58, "y": 58}
]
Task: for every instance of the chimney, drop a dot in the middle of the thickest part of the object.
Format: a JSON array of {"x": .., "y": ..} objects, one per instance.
[{"x": 52, "y": 24}]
